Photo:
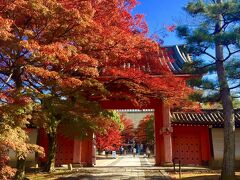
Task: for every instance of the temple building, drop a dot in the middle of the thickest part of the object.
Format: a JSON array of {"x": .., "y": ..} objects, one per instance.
[{"x": 194, "y": 138}]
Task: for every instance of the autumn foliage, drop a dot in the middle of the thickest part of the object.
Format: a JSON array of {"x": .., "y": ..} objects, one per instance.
[
  {"x": 14, "y": 118},
  {"x": 111, "y": 140},
  {"x": 62, "y": 54},
  {"x": 128, "y": 131},
  {"x": 116, "y": 134},
  {"x": 145, "y": 130}
]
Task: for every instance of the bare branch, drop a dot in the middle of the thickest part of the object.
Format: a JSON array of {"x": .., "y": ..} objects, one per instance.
[
  {"x": 208, "y": 54},
  {"x": 40, "y": 31},
  {"x": 33, "y": 87},
  {"x": 6, "y": 82},
  {"x": 34, "y": 83},
  {"x": 234, "y": 87},
  {"x": 1, "y": 56},
  {"x": 235, "y": 97},
  {"x": 208, "y": 65},
  {"x": 230, "y": 53}
]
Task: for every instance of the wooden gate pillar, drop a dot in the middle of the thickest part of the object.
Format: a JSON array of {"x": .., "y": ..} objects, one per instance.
[
  {"x": 87, "y": 153},
  {"x": 158, "y": 123},
  {"x": 83, "y": 152},
  {"x": 166, "y": 131},
  {"x": 77, "y": 149},
  {"x": 163, "y": 138}
]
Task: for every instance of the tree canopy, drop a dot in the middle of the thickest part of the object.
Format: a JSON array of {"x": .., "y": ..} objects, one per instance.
[
  {"x": 145, "y": 130},
  {"x": 111, "y": 139},
  {"x": 64, "y": 55},
  {"x": 214, "y": 40},
  {"x": 128, "y": 130}
]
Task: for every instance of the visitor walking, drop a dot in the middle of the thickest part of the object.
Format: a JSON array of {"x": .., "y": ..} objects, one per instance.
[
  {"x": 148, "y": 152},
  {"x": 134, "y": 152}
]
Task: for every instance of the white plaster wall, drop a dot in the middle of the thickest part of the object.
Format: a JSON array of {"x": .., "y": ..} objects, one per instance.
[
  {"x": 136, "y": 115},
  {"x": 217, "y": 139}
]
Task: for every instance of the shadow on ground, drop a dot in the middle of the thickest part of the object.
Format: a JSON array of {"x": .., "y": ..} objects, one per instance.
[
  {"x": 194, "y": 176},
  {"x": 91, "y": 177},
  {"x": 211, "y": 177},
  {"x": 110, "y": 177}
]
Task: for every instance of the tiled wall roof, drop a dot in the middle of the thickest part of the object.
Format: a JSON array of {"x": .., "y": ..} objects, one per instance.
[{"x": 212, "y": 117}]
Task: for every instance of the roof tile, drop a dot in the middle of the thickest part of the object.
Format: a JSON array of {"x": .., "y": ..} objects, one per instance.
[{"x": 212, "y": 117}]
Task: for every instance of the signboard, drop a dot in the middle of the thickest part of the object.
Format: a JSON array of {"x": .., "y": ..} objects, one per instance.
[{"x": 114, "y": 154}]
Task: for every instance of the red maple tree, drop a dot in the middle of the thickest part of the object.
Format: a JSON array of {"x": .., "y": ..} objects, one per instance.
[
  {"x": 128, "y": 131},
  {"x": 111, "y": 140},
  {"x": 63, "y": 53},
  {"x": 141, "y": 131}
]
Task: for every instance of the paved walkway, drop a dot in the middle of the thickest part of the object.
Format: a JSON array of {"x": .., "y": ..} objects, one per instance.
[
  {"x": 121, "y": 168},
  {"x": 125, "y": 161}
]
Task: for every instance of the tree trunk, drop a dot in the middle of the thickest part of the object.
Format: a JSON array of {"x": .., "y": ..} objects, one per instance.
[
  {"x": 20, "y": 174},
  {"x": 228, "y": 166},
  {"x": 52, "y": 145}
]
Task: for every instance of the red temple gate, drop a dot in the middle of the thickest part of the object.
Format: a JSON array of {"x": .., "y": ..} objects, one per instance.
[
  {"x": 69, "y": 151},
  {"x": 163, "y": 129},
  {"x": 83, "y": 152}
]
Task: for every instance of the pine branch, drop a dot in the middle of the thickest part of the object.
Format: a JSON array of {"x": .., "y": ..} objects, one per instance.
[
  {"x": 208, "y": 54},
  {"x": 208, "y": 65},
  {"x": 235, "y": 97},
  {"x": 234, "y": 87},
  {"x": 230, "y": 53}
]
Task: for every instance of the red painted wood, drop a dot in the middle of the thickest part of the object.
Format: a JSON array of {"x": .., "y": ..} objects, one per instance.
[
  {"x": 77, "y": 151},
  {"x": 159, "y": 145},
  {"x": 42, "y": 141},
  {"x": 86, "y": 153},
  {"x": 70, "y": 151},
  {"x": 64, "y": 152},
  {"x": 187, "y": 149},
  {"x": 191, "y": 144},
  {"x": 159, "y": 115},
  {"x": 205, "y": 142},
  {"x": 167, "y": 134}
]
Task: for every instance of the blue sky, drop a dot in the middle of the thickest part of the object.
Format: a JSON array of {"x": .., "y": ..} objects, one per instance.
[{"x": 160, "y": 13}]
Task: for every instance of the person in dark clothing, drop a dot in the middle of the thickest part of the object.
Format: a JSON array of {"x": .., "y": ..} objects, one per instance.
[{"x": 148, "y": 152}]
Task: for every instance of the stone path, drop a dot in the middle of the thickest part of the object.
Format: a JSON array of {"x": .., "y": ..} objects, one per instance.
[
  {"x": 125, "y": 161},
  {"x": 117, "y": 173},
  {"x": 121, "y": 168}
]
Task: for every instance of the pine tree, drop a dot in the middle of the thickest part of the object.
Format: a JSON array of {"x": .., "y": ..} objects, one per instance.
[{"x": 214, "y": 36}]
